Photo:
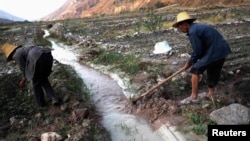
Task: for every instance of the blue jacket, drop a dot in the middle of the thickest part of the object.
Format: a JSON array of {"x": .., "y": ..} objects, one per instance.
[{"x": 208, "y": 45}]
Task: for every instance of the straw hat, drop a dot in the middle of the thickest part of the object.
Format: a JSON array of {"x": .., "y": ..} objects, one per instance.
[
  {"x": 8, "y": 49},
  {"x": 183, "y": 16}
]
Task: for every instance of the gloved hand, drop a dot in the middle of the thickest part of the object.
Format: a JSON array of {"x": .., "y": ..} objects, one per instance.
[{"x": 22, "y": 83}]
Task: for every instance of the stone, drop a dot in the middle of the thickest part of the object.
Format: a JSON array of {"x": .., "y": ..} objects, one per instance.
[{"x": 233, "y": 114}]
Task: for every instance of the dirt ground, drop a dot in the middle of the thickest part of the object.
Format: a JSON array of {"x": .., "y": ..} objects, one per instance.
[
  {"x": 30, "y": 122},
  {"x": 164, "y": 102}
]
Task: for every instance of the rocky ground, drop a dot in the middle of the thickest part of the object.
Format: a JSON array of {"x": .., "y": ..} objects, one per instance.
[
  {"x": 21, "y": 119},
  {"x": 117, "y": 34}
]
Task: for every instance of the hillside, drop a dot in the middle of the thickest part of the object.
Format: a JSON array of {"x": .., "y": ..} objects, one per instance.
[
  {"x": 8, "y": 18},
  {"x": 86, "y": 8}
]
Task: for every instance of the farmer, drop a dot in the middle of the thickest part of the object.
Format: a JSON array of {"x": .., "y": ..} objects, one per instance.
[
  {"x": 35, "y": 62},
  {"x": 209, "y": 52}
]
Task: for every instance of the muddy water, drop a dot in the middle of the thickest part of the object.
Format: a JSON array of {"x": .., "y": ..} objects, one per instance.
[{"x": 109, "y": 100}]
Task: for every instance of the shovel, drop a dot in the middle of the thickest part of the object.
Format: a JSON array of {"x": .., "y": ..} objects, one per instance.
[{"x": 158, "y": 85}]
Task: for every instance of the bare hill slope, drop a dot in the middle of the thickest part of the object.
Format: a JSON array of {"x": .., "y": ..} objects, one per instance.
[{"x": 86, "y": 8}]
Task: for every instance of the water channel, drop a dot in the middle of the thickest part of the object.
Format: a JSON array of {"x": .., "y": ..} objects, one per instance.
[{"x": 109, "y": 98}]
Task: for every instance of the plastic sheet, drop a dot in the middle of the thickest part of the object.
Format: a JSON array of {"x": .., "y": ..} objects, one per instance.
[{"x": 162, "y": 47}]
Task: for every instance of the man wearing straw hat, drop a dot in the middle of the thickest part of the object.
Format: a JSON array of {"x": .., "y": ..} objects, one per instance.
[
  {"x": 209, "y": 52},
  {"x": 35, "y": 62}
]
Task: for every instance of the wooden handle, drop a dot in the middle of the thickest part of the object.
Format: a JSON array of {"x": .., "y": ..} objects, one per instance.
[{"x": 158, "y": 85}]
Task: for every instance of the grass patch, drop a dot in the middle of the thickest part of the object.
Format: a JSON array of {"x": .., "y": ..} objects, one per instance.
[
  {"x": 198, "y": 121},
  {"x": 72, "y": 81},
  {"x": 195, "y": 118},
  {"x": 130, "y": 64},
  {"x": 200, "y": 129},
  {"x": 127, "y": 63},
  {"x": 108, "y": 58}
]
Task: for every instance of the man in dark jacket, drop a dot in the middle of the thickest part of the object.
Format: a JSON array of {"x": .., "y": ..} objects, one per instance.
[
  {"x": 209, "y": 52},
  {"x": 35, "y": 62}
]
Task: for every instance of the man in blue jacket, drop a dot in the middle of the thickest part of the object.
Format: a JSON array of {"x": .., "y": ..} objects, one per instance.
[
  {"x": 35, "y": 62},
  {"x": 209, "y": 52}
]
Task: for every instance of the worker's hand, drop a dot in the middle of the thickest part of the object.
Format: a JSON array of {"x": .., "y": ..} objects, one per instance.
[
  {"x": 22, "y": 83},
  {"x": 187, "y": 65}
]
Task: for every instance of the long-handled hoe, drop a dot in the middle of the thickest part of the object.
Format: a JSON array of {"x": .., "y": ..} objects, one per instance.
[{"x": 158, "y": 85}]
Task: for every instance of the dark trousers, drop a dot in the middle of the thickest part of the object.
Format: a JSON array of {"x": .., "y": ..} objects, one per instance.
[
  {"x": 40, "y": 80},
  {"x": 213, "y": 72}
]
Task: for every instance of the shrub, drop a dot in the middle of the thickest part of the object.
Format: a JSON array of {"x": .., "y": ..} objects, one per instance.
[{"x": 153, "y": 21}]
